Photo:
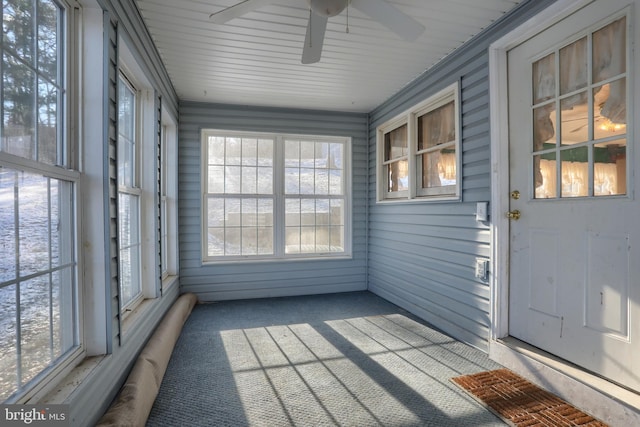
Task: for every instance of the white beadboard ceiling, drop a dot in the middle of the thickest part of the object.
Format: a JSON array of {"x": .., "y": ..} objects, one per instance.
[{"x": 255, "y": 59}]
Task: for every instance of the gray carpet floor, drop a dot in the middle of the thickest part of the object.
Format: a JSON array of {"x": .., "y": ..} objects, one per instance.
[{"x": 331, "y": 360}]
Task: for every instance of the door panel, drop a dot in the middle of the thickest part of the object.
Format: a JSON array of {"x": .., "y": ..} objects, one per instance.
[{"x": 574, "y": 281}]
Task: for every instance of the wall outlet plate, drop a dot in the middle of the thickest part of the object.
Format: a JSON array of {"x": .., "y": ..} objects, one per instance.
[
  {"x": 482, "y": 213},
  {"x": 482, "y": 268}
]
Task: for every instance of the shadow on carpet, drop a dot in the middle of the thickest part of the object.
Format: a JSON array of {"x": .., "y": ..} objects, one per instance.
[{"x": 331, "y": 360}]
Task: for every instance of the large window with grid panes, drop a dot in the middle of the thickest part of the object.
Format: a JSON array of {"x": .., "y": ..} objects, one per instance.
[
  {"x": 275, "y": 196},
  {"x": 418, "y": 151},
  {"x": 39, "y": 317}
]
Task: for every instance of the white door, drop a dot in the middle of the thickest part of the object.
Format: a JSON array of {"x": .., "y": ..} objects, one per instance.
[{"x": 574, "y": 287}]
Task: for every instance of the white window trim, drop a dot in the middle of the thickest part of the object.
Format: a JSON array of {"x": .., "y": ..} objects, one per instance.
[
  {"x": 410, "y": 118},
  {"x": 279, "y": 198}
]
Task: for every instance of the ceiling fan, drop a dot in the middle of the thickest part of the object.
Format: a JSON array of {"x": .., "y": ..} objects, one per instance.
[{"x": 321, "y": 10}]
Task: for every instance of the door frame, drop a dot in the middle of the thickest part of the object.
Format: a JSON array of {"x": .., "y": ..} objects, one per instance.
[{"x": 575, "y": 385}]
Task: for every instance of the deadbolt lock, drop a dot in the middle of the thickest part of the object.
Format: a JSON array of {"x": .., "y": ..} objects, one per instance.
[{"x": 515, "y": 194}]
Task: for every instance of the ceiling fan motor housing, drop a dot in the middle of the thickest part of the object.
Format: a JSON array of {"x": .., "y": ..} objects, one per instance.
[{"x": 328, "y": 8}]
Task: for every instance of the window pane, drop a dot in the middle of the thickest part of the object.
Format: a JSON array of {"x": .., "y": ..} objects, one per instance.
[
  {"x": 232, "y": 212},
  {"x": 216, "y": 150},
  {"x": 574, "y": 116},
  {"x": 322, "y": 212},
  {"x": 292, "y": 153},
  {"x": 322, "y": 181},
  {"x": 337, "y": 239},
  {"x": 265, "y": 152},
  {"x": 336, "y": 156},
  {"x": 19, "y": 109},
  {"x": 544, "y": 133},
  {"x": 249, "y": 180},
  {"x": 322, "y": 155},
  {"x": 249, "y": 212},
  {"x": 610, "y": 168},
  {"x": 17, "y": 24},
  {"x": 610, "y": 109},
  {"x": 34, "y": 326},
  {"x": 47, "y": 123},
  {"x": 265, "y": 241},
  {"x": 573, "y": 66},
  {"x": 307, "y": 181},
  {"x": 48, "y": 39},
  {"x": 249, "y": 152},
  {"x": 574, "y": 170},
  {"x": 8, "y": 342},
  {"x": 265, "y": 212},
  {"x": 233, "y": 151},
  {"x": 439, "y": 168},
  {"x": 292, "y": 213},
  {"x": 335, "y": 182},
  {"x": 292, "y": 181},
  {"x": 292, "y": 240},
  {"x": 215, "y": 241},
  {"x": 437, "y": 127},
  {"x": 307, "y": 212},
  {"x": 33, "y": 223},
  {"x": 233, "y": 241},
  {"x": 128, "y": 217},
  {"x": 8, "y": 250},
  {"x": 232, "y": 179},
  {"x": 215, "y": 179},
  {"x": 215, "y": 212},
  {"x": 545, "y": 178},
  {"x": 322, "y": 239},
  {"x": 610, "y": 50},
  {"x": 395, "y": 143},
  {"x": 307, "y": 239},
  {"x": 249, "y": 241},
  {"x": 398, "y": 176},
  {"x": 265, "y": 180},
  {"x": 544, "y": 79}
]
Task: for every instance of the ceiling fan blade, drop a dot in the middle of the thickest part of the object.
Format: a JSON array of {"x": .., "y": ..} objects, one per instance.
[
  {"x": 237, "y": 10},
  {"x": 391, "y": 17},
  {"x": 315, "y": 39}
]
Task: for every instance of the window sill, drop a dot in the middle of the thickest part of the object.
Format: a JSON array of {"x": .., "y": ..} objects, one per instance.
[
  {"x": 136, "y": 315},
  {"x": 421, "y": 199},
  {"x": 168, "y": 282},
  {"x": 301, "y": 258},
  {"x": 73, "y": 379}
]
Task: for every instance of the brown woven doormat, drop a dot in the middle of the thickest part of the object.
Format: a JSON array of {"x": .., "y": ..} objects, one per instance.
[{"x": 521, "y": 403}]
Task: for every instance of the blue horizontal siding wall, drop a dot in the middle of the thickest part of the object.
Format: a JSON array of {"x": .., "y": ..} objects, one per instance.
[
  {"x": 215, "y": 282},
  {"x": 422, "y": 255}
]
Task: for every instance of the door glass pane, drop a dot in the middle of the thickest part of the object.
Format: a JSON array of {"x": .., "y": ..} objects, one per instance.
[
  {"x": 574, "y": 117},
  {"x": 610, "y": 109},
  {"x": 544, "y": 78},
  {"x": 573, "y": 66},
  {"x": 395, "y": 143},
  {"x": 545, "y": 178},
  {"x": 610, "y": 50},
  {"x": 574, "y": 170},
  {"x": 544, "y": 130},
  {"x": 610, "y": 168}
]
